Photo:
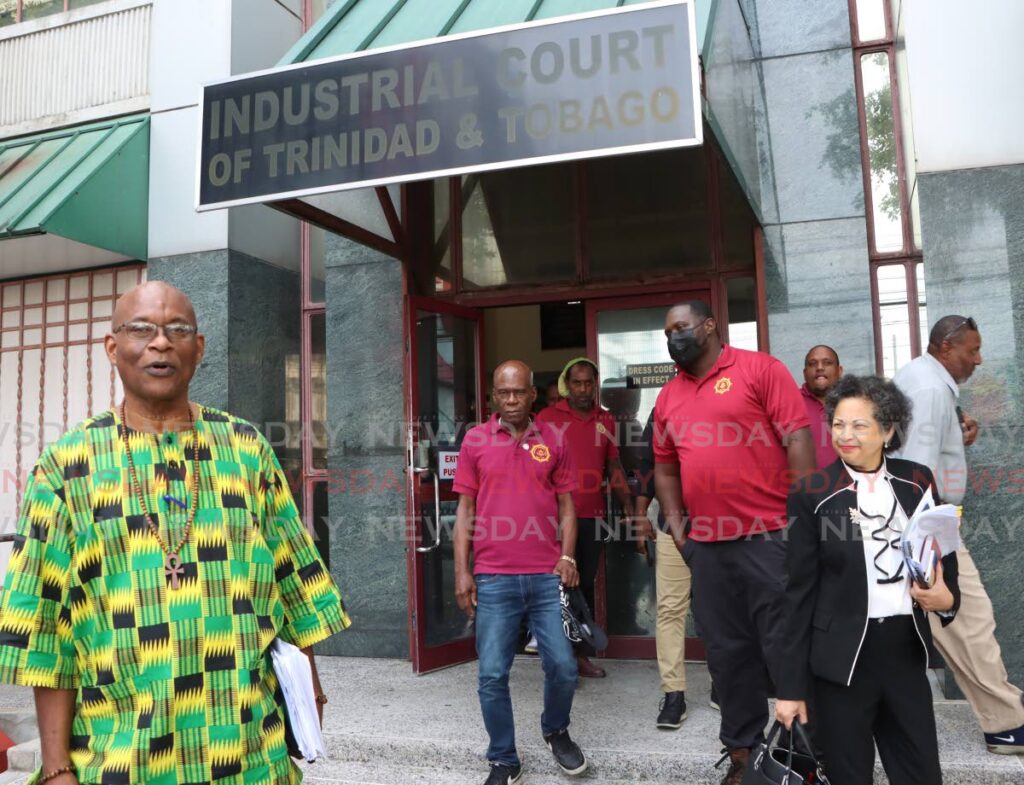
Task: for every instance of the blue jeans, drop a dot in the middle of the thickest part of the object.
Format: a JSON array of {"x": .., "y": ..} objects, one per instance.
[{"x": 503, "y": 602}]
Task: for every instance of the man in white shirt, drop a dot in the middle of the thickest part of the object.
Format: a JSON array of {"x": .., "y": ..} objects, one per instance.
[{"x": 937, "y": 437}]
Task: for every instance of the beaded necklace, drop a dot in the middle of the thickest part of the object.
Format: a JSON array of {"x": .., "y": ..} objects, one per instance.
[{"x": 172, "y": 564}]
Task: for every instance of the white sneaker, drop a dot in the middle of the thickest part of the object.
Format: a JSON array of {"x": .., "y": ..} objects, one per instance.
[{"x": 531, "y": 645}]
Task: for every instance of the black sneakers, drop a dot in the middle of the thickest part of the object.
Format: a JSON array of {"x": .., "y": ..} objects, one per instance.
[
  {"x": 503, "y": 774},
  {"x": 568, "y": 754},
  {"x": 672, "y": 711},
  {"x": 1009, "y": 742}
]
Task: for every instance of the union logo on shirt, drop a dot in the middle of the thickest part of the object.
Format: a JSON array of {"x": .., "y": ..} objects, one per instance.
[
  {"x": 723, "y": 385},
  {"x": 540, "y": 453}
]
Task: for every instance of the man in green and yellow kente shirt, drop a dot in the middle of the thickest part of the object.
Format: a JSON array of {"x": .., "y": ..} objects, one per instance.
[{"x": 159, "y": 553}]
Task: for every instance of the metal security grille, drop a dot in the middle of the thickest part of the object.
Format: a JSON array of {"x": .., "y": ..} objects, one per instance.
[{"x": 54, "y": 370}]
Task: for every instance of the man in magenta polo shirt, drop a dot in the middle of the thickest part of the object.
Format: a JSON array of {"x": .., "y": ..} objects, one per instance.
[
  {"x": 590, "y": 433},
  {"x": 821, "y": 372},
  {"x": 730, "y": 434},
  {"x": 515, "y": 481}
]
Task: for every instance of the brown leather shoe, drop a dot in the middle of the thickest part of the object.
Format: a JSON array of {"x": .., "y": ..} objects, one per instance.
[
  {"x": 737, "y": 766},
  {"x": 589, "y": 670}
]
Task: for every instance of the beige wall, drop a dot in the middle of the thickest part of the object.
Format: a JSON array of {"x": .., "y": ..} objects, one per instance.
[{"x": 514, "y": 334}]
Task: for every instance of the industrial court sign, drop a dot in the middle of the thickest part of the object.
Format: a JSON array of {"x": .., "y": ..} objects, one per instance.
[{"x": 590, "y": 85}]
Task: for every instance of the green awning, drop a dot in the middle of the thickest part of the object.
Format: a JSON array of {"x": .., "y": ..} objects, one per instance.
[
  {"x": 89, "y": 184},
  {"x": 354, "y": 25}
]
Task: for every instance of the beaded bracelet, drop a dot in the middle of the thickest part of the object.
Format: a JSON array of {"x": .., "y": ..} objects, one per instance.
[{"x": 68, "y": 769}]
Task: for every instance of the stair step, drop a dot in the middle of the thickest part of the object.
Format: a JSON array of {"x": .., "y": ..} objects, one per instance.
[
  {"x": 25, "y": 757},
  {"x": 534, "y": 773},
  {"x": 387, "y": 759}
]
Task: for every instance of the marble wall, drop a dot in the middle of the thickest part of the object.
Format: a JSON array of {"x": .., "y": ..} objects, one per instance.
[
  {"x": 204, "y": 277},
  {"x": 249, "y": 312},
  {"x": 973, "y": 229},
  {"x": 816, "y": 253},
  {"x": 366, "y": 458}
]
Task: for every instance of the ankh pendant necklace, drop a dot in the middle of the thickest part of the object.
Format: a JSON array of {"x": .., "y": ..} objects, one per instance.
[{"x": 172, "y": 563}]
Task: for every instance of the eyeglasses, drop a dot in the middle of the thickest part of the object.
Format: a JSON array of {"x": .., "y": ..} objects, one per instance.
[
  {"x": 504, "y": 395},
  {"x": 176, "y": 332},
  {"x": 968, "y": 322}
]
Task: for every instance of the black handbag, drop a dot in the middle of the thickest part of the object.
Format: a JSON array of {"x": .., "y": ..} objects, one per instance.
[{"x": 776, "y": 765}]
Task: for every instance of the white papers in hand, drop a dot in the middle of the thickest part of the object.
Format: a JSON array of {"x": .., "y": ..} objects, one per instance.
[
  {"x": 941, "y": 522},
  {"x": 296, "y": 680},
  {"x": 930, "y": 529}
]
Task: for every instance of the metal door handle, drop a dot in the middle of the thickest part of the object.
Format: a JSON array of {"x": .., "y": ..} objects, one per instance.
[{"x": 437, "y": 520}]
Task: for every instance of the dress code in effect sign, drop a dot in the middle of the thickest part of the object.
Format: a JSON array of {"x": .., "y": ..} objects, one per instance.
[
  {"x": 649, "y": 374},
  {"x": 591, "y": 85}
]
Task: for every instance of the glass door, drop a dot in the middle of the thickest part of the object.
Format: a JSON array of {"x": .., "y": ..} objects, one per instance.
[
  {"x": 445, "y": 347},
  {"x": 627, "y": 337}
]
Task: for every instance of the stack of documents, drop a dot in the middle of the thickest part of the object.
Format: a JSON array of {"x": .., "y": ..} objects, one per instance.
[
  {"x": 933, "y": 532},
  {"x": 296, "y": 680}
]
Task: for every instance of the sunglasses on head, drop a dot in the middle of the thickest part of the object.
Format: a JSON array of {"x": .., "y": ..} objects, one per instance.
[{"x": 968, "y": 322}]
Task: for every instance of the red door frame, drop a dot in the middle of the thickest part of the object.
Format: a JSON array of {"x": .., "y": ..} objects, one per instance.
[
  {"x": 428, "y": 658},
  {"x": 641, "y": 646}
]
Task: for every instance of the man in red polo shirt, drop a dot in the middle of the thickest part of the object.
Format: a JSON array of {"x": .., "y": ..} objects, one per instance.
[
  {"x": 821, "y": 372},
  {"x": 590, "y": 433},
  {"x": 515, "y": 481},
  {"x": 730, "y": 434}
]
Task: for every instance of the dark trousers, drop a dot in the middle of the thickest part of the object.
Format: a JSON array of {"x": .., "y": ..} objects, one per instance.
[
  {"x": 737, "y": 604},
  {"x": 590, "y": 534},
  {"x": 888, "y": 703}
]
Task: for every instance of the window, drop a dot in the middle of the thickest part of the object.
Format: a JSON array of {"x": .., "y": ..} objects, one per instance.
[
  {"x": 518, "y": 227},
  {"x": 902, "y": 314},
  {"x": 741, "y": 302},
  {"x": 648, "y": 213},
  {"x": 644, "y": 216},
  {"x": 870, "y": 18},
  {"x": 883, "y": 171},
  {"x": 306, "y": 405},
  {"x": 894, "y": 243},
  {"x": 53, "y": 367},
  {"x": 13, "y": 11}
]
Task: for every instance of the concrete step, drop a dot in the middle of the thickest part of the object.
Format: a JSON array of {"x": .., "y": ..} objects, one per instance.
[
  {"x": 376, "y": 761},
  {"x": 14, "y": 777},
  {"x": 25, "y": 757},
  {"x": 386, "y": 726},
  {"x": 347, "y": 773},
  {"x": 387, "y": 757}
]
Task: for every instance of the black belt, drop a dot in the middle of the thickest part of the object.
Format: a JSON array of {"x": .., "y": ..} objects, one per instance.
[{"x": 897, "y": 618}]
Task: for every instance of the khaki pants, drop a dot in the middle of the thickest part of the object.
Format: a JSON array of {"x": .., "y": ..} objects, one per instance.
[
  {"x": 971, "y": 651},
  {"x": 672, "y": 580}
]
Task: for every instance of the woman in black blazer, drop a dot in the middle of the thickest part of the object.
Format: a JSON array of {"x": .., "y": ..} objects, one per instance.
[{"x": 856, "y": 633}]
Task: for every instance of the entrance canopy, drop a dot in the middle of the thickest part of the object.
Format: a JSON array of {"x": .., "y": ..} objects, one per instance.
[
  {"x": 357, "y": 25},
  {"x": 84, "y": 186}
]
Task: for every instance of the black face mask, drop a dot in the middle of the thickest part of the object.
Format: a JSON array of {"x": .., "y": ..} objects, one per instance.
[{"x": 683, "y": 346}]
